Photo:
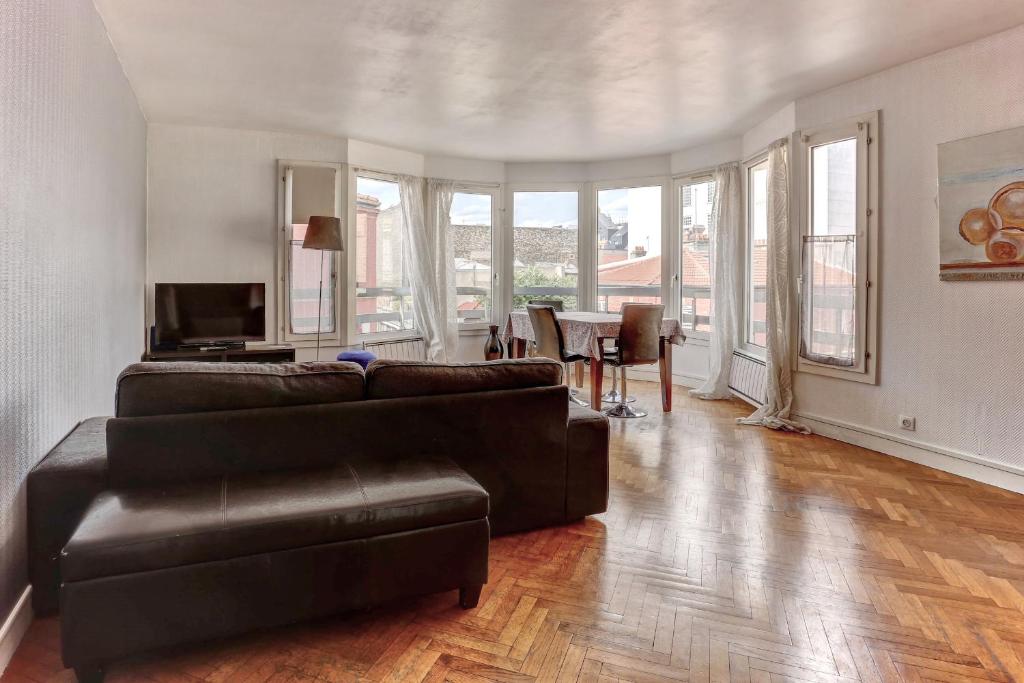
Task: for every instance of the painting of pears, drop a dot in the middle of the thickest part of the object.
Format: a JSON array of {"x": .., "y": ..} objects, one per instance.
[
  {"x": 998, "y": 227},
  {"x": 981, "y": 207}
]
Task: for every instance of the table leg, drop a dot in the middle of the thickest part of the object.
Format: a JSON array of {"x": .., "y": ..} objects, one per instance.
[
  {"x": 665, "y": 363},
  {"x": 596, "y": 378},
  {"x": 579, "y": 374}
]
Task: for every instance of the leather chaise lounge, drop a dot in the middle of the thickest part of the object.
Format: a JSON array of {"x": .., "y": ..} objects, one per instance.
[{"x": 223, "y": 498}]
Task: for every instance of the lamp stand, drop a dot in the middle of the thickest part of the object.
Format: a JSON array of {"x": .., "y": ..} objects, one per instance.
[{"x": 319, "y": 304}]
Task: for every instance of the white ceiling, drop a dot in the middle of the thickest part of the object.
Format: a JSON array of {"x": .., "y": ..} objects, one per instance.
[{"x": 518, "y": 79}]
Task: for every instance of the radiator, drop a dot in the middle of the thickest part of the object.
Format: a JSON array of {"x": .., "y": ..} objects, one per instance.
[
  {"x": 399, "y": 349},
  {"x": 748, "y": 378}
]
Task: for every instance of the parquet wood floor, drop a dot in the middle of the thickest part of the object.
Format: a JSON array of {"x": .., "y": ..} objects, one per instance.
[{"x": 729, "y": 553}]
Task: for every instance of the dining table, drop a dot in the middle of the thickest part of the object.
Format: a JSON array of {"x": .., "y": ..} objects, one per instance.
[{"x": 585, "y": 334}]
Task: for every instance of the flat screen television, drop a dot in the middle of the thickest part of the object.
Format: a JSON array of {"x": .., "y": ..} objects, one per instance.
[{"x": 209, "y": 313}]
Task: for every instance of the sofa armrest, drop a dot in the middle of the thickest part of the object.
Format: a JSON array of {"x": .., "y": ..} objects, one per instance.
[
  {"x": 60, "y": 488},
  {"x": 587, "y": 462}
]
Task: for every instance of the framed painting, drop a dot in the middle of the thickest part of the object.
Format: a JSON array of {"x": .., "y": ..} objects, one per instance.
[{"x": 981, "y": 207}]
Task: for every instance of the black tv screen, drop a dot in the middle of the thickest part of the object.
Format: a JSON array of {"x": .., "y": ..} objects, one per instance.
[{"x": 194, "y": 313}]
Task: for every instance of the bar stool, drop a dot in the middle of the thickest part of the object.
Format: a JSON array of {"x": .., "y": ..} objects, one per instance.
[
  {"x": 639, "y": 343},
  {"x": 614, "y": 396},
  {"x": 550, "y": 343}
]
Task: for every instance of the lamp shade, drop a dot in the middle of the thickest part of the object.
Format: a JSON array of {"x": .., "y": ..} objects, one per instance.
[{"x": 324, "y": 233}]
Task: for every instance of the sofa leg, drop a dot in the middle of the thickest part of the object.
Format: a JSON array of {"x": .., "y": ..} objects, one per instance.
[
  {"x": 469, "y": 596},
  {"x": 89, "y": 674}
]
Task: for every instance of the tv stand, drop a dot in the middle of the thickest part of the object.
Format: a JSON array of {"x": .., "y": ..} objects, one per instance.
[{"x": 220, "y": 353}]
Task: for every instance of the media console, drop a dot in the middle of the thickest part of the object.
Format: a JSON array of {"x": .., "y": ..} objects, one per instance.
[{"x": 218, "y": 354}]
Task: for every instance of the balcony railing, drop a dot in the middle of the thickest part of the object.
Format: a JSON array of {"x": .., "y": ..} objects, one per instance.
[{"x": 395, "y": 316}]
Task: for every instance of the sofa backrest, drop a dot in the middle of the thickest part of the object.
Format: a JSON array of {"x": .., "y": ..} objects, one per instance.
[
  {"x": 176, "y": 388},
  {"x": 406, "y": 378},
  {"x": 510, "y": 438}
]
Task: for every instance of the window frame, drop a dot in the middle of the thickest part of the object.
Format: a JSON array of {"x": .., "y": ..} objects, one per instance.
[
  {"x": 745, "y": 345},
  {"x": 353, "y": 336},
  {"x": 284, "y": 239},
  {"x": 667, "y": 268},
  {"x": 864, "y": 129},
  {"x": 494, "y": 192},
  {"x": 585, "y": 261},
  {"x": 678, "y": 183}
]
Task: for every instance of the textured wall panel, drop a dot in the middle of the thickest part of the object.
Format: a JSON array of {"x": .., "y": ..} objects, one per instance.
[
  {"x": 72, "y": 240},
  {"x": 949, "y": 351}
]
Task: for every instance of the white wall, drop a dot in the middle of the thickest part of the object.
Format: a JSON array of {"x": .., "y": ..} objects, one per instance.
[
  {"x": 780, "y": 124},
  {"x": 72, "y": 230},
  {"x": 949, "y": 351},
  {"x": 213, "y": 203},
  {"x": 706, "y": 157}
]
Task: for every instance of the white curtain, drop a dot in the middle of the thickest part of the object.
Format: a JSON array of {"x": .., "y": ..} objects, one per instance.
[
  {"x": 430, "y": 262},
  {"x": 779, "y": 400},
  {"x": 439, "y": 206},
  {"x": 726, "y": 293}
]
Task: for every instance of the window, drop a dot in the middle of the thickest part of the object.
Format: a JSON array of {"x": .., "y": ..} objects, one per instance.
[
  {"x": 472, "y": 240},
  {"x": 311, "y": 281},
  {"x": 545, "y": 247},
  {"x": 757, "y": 254},
  {"x": 308, "y": 276},
  {"x": 383, "y": 298},
  {"x": 834, "y": 234},
  {"x": 628, "y": 247},
  {"x": 697, "y": 199}
]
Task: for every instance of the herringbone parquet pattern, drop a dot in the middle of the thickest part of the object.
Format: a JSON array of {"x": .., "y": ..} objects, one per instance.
[{"x": 729, "y": 554}]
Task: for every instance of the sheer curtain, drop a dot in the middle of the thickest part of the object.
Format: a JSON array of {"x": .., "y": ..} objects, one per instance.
[
  {"x": 430, "y": 262},
  {"x": 779, "y": 400},
  {"x": 828, "y": 308},
  {"x": 439, "y": 206},
  {"x": 725, "y": 289}
]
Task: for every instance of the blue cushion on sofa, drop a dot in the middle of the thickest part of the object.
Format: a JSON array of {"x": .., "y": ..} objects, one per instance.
[{"x": 361, "y": 356}]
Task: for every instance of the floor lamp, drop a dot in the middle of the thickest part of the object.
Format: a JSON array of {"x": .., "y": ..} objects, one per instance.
[{"x": 323, "y": 233}]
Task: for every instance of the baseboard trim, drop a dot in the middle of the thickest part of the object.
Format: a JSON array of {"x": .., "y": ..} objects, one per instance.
[
  {"x": 14, "y": 627},
  {"x": 948, "y": 460}
]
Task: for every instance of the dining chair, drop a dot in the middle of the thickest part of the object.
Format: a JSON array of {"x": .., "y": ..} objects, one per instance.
[
  {"x": 559, "y": 307},
  {"x": 547, "y": 334},
  {"x": 639, "y": 343}
]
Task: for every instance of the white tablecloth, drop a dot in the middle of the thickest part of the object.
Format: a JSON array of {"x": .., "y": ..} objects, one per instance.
[{"x": 583, "y": 330}]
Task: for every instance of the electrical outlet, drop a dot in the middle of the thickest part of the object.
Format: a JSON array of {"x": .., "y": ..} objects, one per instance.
[{"x": 907, "y": 422}]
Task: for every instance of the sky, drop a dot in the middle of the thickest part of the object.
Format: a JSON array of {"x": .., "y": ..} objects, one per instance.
[
  {"x": 384, "y": 190},
  {"x": 471, "y": 209},
  {"x": 545, "y": 209}
]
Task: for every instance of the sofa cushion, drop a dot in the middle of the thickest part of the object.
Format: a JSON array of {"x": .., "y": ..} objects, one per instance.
[
  {"x": 401, "y": 378},
  {"x": 146, "y": 529},
  {"x": 175, "y": 388},
  {"x": 586, "y": 483}
]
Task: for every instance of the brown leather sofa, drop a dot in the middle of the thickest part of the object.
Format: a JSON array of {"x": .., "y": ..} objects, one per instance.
[{"x": 227, "y": 497}]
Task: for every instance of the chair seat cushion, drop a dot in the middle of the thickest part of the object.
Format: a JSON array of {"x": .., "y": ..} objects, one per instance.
[{"x": 145, "y": 529}]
